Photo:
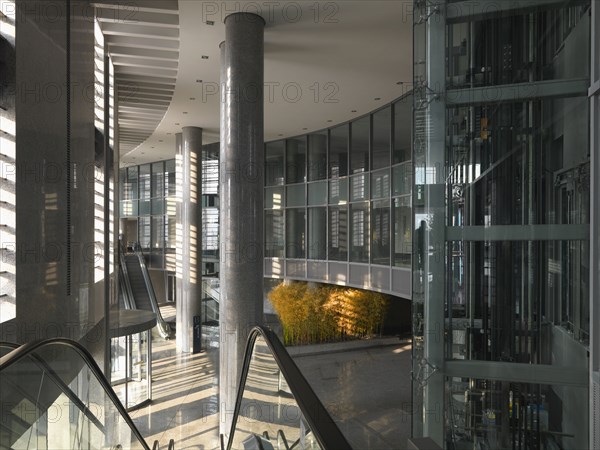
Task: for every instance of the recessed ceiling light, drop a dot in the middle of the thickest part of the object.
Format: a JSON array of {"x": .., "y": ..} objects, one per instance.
[
  {"x": 400, "y": 82},
  {"x": 330, "y": 121},
  {"x": 210, "y": 22},
  {"x": 192, "y": 98},
  {"x": 353, "y": 110},
  {"x": 204, "y": 56},
  {"x": 198, "y": 81},
  {"x": 377, "y": 98},
  {"x": 161, "y": 140},
  {"x": 185, "y": 112},
  {"x": 305, "y": 128}
]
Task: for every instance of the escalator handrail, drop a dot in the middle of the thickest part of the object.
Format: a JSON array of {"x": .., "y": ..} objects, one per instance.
[
  {"x": 27, "y": 349},
  {"x": 162, "y": 325},
  {"x": 321, "y": 424}
]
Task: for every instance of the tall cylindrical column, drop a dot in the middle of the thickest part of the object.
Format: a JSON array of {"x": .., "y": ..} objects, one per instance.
[
  {"x": 241, "y": 197},
  {"x": 189, "y": 235}
]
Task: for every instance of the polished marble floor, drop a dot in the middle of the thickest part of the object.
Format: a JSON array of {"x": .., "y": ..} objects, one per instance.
[
  {"x": 366, "y": 391},
  {"x": 184, "y": 400}
]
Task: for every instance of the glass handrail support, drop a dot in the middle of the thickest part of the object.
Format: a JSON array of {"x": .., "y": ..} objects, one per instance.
[
  {"x": 53, "y": 395},
  {"x": 276, "y": 407}
]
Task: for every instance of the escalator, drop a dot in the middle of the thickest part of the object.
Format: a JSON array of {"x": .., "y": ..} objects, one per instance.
[
  {"x": 54, "y": 395},
  {"x": 276, "y": 408},
  {"x": 136, "y": 290}
]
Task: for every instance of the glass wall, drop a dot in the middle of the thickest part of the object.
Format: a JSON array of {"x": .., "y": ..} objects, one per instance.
[
  {"x": 333, "y": 213},
  {"x": 501, "y": 218},
  {"x": 148, "y": 208}
]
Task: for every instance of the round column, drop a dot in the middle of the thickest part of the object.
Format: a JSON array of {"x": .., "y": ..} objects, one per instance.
[
  {"x": 189, "y": 237},
  {"x": 241, "y": 196}
]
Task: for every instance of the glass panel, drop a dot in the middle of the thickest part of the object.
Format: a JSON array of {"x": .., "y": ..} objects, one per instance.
[
  {"x": 274, "y": 198},
  {"x": 382, "y": 136},
  {"x": 170, "y": 243},
  {"x": 158, "y": 238},
  {"x": 59, "y": 403},
  {"x": 317, "y": 193},
  {"x": 503, "y": 176},
  {"x": 145, "y": 181},
  {"x": 380, "y": 232},
  {"x": 274, "y": 229},
  {"x": 402, "y": 179},
  {"x": 402, "y": 231},
  {"x": 274, "y": 153},
  {"x": 171, "y": 206},
  {"x": 269, "y": 413},
  {"x": 296, "y": 195},
  {"x": 171, "y": 183},
  {"x": 210, "y": 233},
  {"x": 359, "y": 232},
  {"x": 501, "y": 414},
  {"x": 122, "y": 183},
  {"x": 158, "y": 179},
  {"x": 210, "y": 169},
  {"x": 338, "y": 152},
  {"x": 380, "y": 184},
  {"x": 130, "y": 368},
  {"x": 501, "y": 327},
  {"x": 338, "y": 191},
  {"x": 317, "y": 233},
  {"x": 129, "y": 208},
  {"x": 295, "y": 242},
  {"x": 338, "y": 233},
  {"x": 359, "y": 150},
  {"x": 131, "y": 187},
  {"x": 317, "y": 156},
  {"x": 144, "y": 232},
  {"x": 158, "y": 206},
  {"x": 402, "y": 129},
  {"x": 145, "y": 207},
  {"x": 500, "y": 51},
  {"x": 138, "y": 384},
  {"x": 359, "y": 187},
  {"x": 296, "y": 160}
]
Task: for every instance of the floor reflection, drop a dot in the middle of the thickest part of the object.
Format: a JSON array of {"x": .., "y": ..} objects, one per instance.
[
  {"x": 184, "y": 399},
  {"x": 367, "y": 392}
]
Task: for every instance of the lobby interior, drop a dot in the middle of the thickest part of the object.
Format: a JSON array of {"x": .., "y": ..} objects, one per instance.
[{"x": 443, "y": 153}]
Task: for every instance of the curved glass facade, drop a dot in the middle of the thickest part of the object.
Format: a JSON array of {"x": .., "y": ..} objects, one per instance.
[{"x": 338, "y": 202}]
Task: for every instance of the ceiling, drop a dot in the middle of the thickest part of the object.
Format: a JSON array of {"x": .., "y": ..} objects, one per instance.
[
  {"x": 325, "y": 63},
  {"x": 143, "y": 41}
]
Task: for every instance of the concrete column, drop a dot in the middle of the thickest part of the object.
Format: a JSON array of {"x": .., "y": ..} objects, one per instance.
[
  {"x": 241, "y": 196},
  {"x": 189, "y": 235}
]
